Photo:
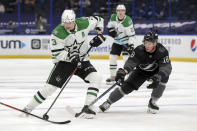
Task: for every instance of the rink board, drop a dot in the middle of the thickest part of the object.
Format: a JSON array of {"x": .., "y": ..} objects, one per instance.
[{"x": 180, "y": 47}]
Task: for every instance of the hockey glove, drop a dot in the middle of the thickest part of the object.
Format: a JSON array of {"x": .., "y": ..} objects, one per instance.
[
  {"x": 75, "y": 59},
  {"x": 97, "y": 40},
  {"x": 120, "y": 75},
  {"x": 98, "y": 30},
  {"x": 112, "y": 32},
  {"x": 154, "y": 81},
  {"x": 128, "y": 48}
]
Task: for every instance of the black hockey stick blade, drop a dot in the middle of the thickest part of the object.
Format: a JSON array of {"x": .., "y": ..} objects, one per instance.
[
  {"x": 55, "y": 122},
  {"x": 73, "y": 113}
]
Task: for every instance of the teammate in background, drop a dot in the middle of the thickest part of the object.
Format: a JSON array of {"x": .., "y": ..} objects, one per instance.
[
  {"x": 149, "y": 61},
  {"x": 69, "y": 46},
  {"x": 120, "y": 27}
]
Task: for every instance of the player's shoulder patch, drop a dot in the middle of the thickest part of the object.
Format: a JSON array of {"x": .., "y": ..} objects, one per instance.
[
  {"x": 139, "y": 50},
  {"x": 127, "y": 21},
  {"x": 113, "y": 17},
  {"x": 140, "y": 47},
  {"x": 162, "y": 49},
  {"x": 60, "y": 32},
  {"x": 82, "y": 23}
]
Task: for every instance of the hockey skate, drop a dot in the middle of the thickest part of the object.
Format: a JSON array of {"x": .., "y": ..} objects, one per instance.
[
  {"x": 87, "y": 113},
  {"x": 105, "y": 106},
  {"x": 152, "y": 107},
  {"x": 111, "y": 80}
]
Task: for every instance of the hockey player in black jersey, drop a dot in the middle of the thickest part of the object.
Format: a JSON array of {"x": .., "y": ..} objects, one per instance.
[{"x": 149, "y": 61}]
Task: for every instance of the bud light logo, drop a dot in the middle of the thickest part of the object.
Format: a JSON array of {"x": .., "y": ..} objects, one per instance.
[{"x": 193, "y": 45}]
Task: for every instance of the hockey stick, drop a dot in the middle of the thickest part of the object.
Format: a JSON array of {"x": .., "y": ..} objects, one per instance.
[
  {"x": 70, "y": 110},
  {"x": 121, "y": 42},
  {"x": 55, "y": 122},
  {"x": 126, "y": 46},
  {"x": 45, "y": 116}
]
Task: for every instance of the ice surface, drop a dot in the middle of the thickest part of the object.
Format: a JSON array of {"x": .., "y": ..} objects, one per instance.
[{"x": 21, "y": 78}]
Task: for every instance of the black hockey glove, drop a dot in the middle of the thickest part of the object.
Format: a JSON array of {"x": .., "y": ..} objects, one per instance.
[
  {"x": 128, "y": 48},
  {"x": 154, "y": 81},
  {"x": 97, "y": 40},
  {"x": 120, "y": 75},
  {"x": 112, "y": 32},
  {"x": 75, "y": 59}
]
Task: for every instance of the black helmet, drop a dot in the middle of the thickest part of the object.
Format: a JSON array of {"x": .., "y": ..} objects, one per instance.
[{"x": 151, "y": 36}]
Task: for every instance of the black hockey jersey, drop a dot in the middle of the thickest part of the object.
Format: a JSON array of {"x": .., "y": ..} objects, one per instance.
[{"x": 149, "y": 62}]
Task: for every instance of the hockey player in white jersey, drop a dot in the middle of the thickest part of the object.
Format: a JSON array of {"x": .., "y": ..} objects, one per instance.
[
  {"x": 69, "y": 46},
  {"x": 120, "y": 27}
]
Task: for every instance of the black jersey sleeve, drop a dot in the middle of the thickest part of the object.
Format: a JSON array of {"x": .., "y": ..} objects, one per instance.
[
  {"x": 134, "y": 59},
  {"x": 165, "y": 67}
]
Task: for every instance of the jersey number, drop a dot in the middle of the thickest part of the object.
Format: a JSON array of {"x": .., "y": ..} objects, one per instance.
[{"x": 54, "y": 42}]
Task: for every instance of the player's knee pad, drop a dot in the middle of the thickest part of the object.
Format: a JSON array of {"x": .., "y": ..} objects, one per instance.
[
  {"x": 116, "y": 95},
  {"x": 113, "y": 59},
  {"x": 95, "y": 79},
  {"x": 158, "y": 92}
]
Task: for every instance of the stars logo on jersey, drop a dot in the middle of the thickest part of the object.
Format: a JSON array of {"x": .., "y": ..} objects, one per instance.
[{"x": 75, "y": 47}]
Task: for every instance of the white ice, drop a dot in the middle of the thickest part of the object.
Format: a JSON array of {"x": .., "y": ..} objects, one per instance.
[{"x": 21, "y": 78}]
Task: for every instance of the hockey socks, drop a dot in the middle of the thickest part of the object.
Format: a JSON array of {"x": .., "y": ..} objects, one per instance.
[
  {"x": 91, "y": 95},
  {"x": 40, "y": 96},
  {"x": 87, "y": 112}
]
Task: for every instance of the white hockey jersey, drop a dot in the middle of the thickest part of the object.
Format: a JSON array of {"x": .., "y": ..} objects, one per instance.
[
  {"x": 125, "y": 30},
  {"x": 64, "y": 43}
]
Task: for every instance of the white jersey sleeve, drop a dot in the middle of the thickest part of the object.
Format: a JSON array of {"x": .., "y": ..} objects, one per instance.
[{"x": 96, "y": 21}]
